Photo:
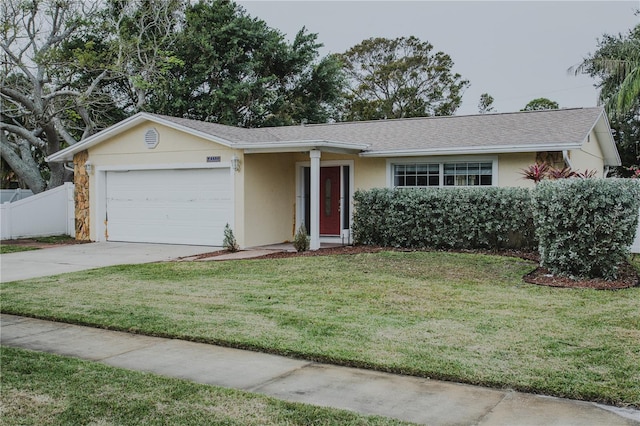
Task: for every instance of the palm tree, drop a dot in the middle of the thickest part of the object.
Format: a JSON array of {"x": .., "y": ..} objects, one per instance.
[{"x": 617, "y": 64}]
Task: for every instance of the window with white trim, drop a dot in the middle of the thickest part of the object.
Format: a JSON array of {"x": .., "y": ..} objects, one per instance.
[
  {"x": 468, "y": 174},
  {"x": 421, "y": 175},
  {"x": 417, "y": 174}
]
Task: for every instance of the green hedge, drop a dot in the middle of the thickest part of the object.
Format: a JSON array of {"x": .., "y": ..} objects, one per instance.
[
  {"x": 585, "y": 226},
  {"x": 452, "y": 218}
]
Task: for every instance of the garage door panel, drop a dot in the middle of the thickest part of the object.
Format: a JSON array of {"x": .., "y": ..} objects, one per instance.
[
  {"x": 169, "y": 206},
  {"x": 163, "y": 212}
]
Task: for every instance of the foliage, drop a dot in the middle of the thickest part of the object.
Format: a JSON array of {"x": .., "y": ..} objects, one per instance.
[
  {"x": 616, "y": 66},
  {"x": 616, "y": 62},
  {"x": 399, "y": 78},
  {"x": 229, "y": 242},
  {"x": 485, "y": 105},
  {"x": 626, "y": 133},
  {"x": 539, "y": 171},
  {"x": 585, "y": 226},
  {"x": 301, "y": 240},
  {"x": 536, "y": 172},
  {"x": 460, "y": 218},
  {"x": 634, "y": 171},
  {"x": 235, "y": 70},
  {"x": 74, "y": 68},
  {"x": 71, "y": 69},
  {"x": 539, "y": 104}
]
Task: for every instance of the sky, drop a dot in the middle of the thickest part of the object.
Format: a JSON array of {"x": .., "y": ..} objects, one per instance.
[{"x": 514, "y": 50}]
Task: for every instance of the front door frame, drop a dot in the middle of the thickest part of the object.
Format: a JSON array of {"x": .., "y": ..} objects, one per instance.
[{"x": 345, "y": 234}]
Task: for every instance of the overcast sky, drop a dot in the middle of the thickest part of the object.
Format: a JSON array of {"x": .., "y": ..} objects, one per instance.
[{"x": 514, "y": 50}]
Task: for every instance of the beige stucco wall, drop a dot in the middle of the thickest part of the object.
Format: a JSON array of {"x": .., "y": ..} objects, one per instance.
[
  {"x": 128, "y": 148},
  {"x": 590, "y": 157},
  {"x": 174, "y": 148},
  {"x": 370, "y": 173},
  {"x": 269, "y": 198},
  {"x": 510, "y": 169}
]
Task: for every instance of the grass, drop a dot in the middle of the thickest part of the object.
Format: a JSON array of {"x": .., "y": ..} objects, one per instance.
[
  {"x": 10, "y": 248},
  {"x": 461, "y": 317},
  {"x": 15, "y": 248},
  {"x": 44, "y": 389},
  {"x": 54, "y": 239}
]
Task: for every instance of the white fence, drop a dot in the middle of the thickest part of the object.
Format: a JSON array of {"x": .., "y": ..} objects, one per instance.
[
  {"x": 48, "y": 213},
  {"x": 635, "y": 247},
  {"x": 11, "y": 195}
]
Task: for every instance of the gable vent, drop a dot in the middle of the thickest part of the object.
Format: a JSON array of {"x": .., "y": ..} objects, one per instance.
[{"x": 151, "y": 138}]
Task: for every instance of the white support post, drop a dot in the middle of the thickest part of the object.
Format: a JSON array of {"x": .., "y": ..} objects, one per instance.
[{"x": 314, "y": 244}]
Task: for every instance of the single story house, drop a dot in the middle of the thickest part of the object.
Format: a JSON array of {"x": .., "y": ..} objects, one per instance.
[{"x": 160, "y": 179}]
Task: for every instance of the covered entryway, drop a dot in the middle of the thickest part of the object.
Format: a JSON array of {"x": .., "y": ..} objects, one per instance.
[
  {"x": 332, "y": 200},
  {"x": 174, "y": 206}
]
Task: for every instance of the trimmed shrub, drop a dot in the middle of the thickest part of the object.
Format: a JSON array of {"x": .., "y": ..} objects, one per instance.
[
  {"x": 452, "y": 218},
  {"x": 585, "y": 226},
  {"x": 229, "y": 242},
  {"x": 301, "y": 240}
]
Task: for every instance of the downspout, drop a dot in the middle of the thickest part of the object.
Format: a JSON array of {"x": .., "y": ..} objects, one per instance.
[{"x": 67, "y": 167}]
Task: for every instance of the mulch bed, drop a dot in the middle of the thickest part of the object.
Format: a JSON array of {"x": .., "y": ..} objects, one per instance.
[{"x": 627, "y": 277}]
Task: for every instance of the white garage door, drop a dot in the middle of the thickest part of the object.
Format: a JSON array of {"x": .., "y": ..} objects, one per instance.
[{"x": 177, "y": 206}]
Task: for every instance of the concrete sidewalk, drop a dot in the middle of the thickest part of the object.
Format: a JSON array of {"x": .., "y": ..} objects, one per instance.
[{"x": 407, "y": 398}]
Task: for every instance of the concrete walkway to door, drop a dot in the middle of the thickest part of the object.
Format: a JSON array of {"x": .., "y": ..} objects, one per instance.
[{"x": 79, "y": 257}]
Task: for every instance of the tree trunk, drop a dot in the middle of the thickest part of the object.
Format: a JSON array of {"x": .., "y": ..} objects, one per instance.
[{"x": 24, "y": 166}]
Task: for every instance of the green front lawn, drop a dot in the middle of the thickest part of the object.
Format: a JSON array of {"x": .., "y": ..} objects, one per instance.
[
  {"x": 43, "y": 389},
  {"x": 462, "y": 317},
  {"x": 10, "y": 248}
]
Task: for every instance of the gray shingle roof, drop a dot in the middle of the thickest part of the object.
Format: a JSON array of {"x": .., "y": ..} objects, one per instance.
[
  {"x": 557, "y": 127},
  {"x": 551, "y": 130}
]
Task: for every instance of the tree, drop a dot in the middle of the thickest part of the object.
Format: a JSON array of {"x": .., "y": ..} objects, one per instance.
[
  {"x": 64, "y": 64},
  {"x": 238, "y": 71},
  {"x": 485, "y": 105},
  {"x": 142, "y": 35},
  {"x": 616, "y": 66},
  {"x": 616, "y": 63},
  {"x": 540, "y": 104},
  {"x": 399, "y": 78}
]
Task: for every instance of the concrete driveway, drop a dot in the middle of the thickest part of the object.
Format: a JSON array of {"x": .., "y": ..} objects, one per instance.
[{"x": 79, "y": 257}]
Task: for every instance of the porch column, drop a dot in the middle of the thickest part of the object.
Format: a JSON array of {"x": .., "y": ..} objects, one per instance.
[{"x": 314, "y": 244}]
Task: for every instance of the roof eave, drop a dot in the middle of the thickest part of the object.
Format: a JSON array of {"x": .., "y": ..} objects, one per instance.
[
  {"x": 135, "y": 120},
  {"x": 301, "y": 146},
  {"x": 602, "y": 129},
  {"x": 471, "y": 150}
]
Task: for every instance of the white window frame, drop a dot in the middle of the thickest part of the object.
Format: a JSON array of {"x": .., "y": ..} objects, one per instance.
[{"x": 392, "y": 162}]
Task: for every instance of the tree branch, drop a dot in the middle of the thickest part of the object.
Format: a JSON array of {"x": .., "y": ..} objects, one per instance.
[
  {"x": 24, "y": 134},
  {"x": 19, "y": 98}
]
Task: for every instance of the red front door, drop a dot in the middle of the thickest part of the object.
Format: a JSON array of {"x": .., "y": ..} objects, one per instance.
[{"x": 330, "y": 200}]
